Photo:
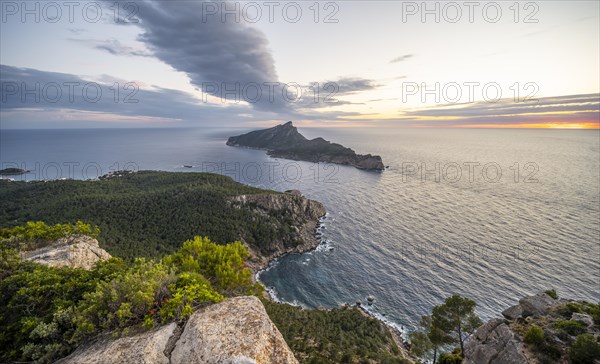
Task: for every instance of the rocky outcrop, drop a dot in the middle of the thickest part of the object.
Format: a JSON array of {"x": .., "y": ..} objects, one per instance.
[
  {"x": 74, "y": 251},
  {"x": 303, "y": 213},
  {"x": 513, "y": 312},
  {"x": 587, "y": 320},
  {"x": 501, "y": 341},
  {"x": 234, "y": 331},
  {"x": 494, "y": 343},
  {"x": 145, "y": 348},
  {"x": 537, "y": 305},
  {"x": 284, "y": 141}
]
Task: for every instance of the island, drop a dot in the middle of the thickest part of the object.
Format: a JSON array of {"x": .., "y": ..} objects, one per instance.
[
  {"x": 284, "y": 141},
  {"x": 12, "y": 171}
]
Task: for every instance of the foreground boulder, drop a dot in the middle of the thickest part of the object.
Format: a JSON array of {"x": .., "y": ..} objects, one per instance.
[
  {"x": 74, "y": 251},
  {"x": 234, "y": 331},
  {"x": 146, "y": 348}
]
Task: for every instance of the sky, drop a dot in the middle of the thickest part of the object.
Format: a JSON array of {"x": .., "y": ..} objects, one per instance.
[{"x": 150, "y": 63}]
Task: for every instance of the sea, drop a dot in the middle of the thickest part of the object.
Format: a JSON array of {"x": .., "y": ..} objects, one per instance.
[{"x": 490, "y": 214}]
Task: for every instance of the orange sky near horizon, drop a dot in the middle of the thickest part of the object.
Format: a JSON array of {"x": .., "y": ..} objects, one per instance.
[{"x": 549, "y": 125}]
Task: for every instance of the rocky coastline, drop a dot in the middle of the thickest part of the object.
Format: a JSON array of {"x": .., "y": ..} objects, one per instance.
[{"x": 305, "y": 215}]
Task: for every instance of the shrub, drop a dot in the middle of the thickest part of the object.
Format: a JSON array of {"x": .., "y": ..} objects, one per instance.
[
  {"x": 572, "y": 328},
  {"x": 36, "y": 234},
  {"x": 47, "y": 311},
  {"x": 585, "y": 350},
  {"x": 223, "y": 265},
  {"x": 124, "y": 300},
  {"x": 594, "y": 311},
  {"x": 568, "y": 309},
  {"x": 552, "y": 293},
  {"x": 534, "y": 336},
  {"x": 447, "y": 358}
]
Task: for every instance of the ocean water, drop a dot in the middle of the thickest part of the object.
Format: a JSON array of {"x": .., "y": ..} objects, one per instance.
[{"x": 489, "y": 214}]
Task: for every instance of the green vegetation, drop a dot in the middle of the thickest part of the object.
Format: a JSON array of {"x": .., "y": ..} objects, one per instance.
[
  {"x": 450, "y": 358},
  {"x": 543, "y": 345},
  {"x": 450, "y": 323},
  {"x": 146, "y": 214},
  {"x": 572, "y": 328},
  {"x": 568, "y": 309},
  {"x": 585, "y": 350},
  {"x": 594, "y": 311},
  {"x": 552, "y": 293},
  {"x": 35, "y": 235},
  {"x": 431, "y": 339},
  {"x": 47, "y": 312},
  {"x": 534, "y": 336},
  {"x": 341, "y": 335},
  {"x": 456, "y": 317}
]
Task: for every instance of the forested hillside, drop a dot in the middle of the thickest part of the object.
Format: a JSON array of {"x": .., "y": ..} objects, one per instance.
[{"x": 145, "y": 214}]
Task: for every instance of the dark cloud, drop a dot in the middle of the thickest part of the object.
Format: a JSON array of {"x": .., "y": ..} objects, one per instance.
[
  {"x": 116, "y": 48},
  {"x": 402, "y": 58},
  {"x": 207, "y": 49},
  {"x": 55, "y": 91},
  {"x": 351, "y": 85},
  {"x": 24, "y": 109}
]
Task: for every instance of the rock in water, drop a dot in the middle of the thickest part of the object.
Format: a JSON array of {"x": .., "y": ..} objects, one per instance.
[
  {"x": 284, "y": 141},
  {"x": 74, "y": 251}
]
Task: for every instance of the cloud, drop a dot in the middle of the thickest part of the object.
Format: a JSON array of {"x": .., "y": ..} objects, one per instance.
[
  {"x": 76, "y": 31},
  {"x": 208, "y": 50},
  {"x": 26, "y": 89},
  {"x": 562, "y": 110},
  {"x": 351, "y": 85},
  {"x": 402, "y": 58},
  {"x": 507, "y": 107},
  {"x": 60, "y": 100},
  {"x": 115, "y": 47}
]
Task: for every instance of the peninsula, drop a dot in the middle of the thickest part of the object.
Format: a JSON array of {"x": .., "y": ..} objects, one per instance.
[
  {"x": 13, "y": 171},
  {"x": 284, "y": 141}
]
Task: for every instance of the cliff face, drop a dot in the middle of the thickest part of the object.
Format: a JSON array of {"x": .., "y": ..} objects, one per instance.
[
  {"x": 234, "y": 331},
  {"x": 501, "y": 341},
  {"x": 284, "y": 141},
  {"x": 302, "y": 212},
  {"x": 75, "y": 252}
]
